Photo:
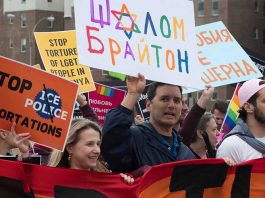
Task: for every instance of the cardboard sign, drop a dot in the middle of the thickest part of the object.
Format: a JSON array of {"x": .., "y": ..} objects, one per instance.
[
  {"x": 59, "y": 55},
  {"x": 222, "y": 59},
  {"x": 37, "y": 101},
  {"x": 128, "y": 37},
  {"x": 105, "y": 98}
]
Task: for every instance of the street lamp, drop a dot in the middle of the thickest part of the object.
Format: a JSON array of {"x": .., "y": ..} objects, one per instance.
[{"x": 50, "y": 19}]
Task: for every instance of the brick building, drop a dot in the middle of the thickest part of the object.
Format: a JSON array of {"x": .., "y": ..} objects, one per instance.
[
  {"x": 245, "y": 19},
  {"x": 20, "y": 18}
]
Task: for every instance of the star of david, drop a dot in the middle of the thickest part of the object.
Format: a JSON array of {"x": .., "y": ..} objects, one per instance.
[{"x": 125, "y": 13}]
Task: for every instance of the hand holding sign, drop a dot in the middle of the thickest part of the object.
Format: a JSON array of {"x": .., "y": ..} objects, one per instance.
[
  {"x": 135, "y": 88},
  {"x": 136, "y": 85},
  {"x": 206, "y": 96},
  {"x": 81, "y": 100}
]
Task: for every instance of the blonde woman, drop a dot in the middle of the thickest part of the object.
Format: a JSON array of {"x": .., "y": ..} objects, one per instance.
[{"x": 82, "y": 149}]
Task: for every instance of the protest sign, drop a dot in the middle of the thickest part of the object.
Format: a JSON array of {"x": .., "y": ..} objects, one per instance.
[
  {"x": 37, "y": 102},
  {"x": 59, "y": 55},
  {"x": 190, "y": 178},
  {"x": 141, "y": 104},
  {"x": 221, "y": 58},
  {"x": 105, "y": 98},
  {"x": 155, "y": 39}
]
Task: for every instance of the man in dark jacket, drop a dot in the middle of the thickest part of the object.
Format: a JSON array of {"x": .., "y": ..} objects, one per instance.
[
  {"x": 247, "y": 140},
  {"x": 127, "y": 147}
]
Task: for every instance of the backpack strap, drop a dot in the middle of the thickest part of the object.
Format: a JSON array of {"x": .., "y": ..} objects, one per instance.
[{"x": 258, "y": 146}]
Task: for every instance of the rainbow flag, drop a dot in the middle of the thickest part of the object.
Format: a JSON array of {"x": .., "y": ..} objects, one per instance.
[
  {"x": 230, "y": 119},
  {"x": 105, "y": 91}
]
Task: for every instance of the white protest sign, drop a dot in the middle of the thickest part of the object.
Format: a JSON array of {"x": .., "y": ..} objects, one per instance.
[
  {"x": 155, "y": 38},
  {"x": 221, "y": 58}
]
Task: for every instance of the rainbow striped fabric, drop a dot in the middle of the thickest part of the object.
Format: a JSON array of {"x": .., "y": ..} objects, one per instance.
[
  {"x": 105, "y": 91},
  {"x": 230, "y": 119}
]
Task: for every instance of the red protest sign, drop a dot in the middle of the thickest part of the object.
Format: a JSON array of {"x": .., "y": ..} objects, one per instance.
[{"x": 105, "y": 98}]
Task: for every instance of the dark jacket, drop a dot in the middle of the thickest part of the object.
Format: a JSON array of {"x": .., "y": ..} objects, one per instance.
[
  {"x": 127, "y": 147},
  {"x": 189, "y": 125},
  {"x": 241, "y": 130}
]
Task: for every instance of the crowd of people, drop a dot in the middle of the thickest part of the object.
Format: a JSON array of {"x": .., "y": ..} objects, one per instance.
[{"x": 126, "y": 142}]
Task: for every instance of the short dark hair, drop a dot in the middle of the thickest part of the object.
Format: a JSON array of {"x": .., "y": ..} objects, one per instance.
[
  {"x": 151, "y": 92},
  {"x": 220, "y": 105},
  {"x": 253, "y": 100}
]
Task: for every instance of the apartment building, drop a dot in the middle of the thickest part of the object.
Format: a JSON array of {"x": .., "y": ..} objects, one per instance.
[{"x": 20, "y": 18}]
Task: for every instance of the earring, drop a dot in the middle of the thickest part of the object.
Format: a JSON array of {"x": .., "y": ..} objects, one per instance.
[{"x": 69, "y": 156}]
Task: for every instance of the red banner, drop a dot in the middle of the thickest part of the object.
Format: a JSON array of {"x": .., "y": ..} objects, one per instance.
[{"x": 194, "y": 178}]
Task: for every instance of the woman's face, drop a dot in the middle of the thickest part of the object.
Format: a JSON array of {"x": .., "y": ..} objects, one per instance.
[
  {"x": 212, "y": 130},
  {"x": 85, "y": 152}
]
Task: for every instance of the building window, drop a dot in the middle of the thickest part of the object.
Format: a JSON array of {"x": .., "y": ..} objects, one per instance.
[
  {"x": 200, "y": 8},
  {"x": 49, "y": 1},
  {"x": 23, "y": 45},
  {"x": 49, "y": 23},
  {"x": 256, "y": 5},
  {"x": 256, "y": 33},
  {"x": 23, "y": 1},
  {"x": 10, "y": 43},
  {"x": 11, "y": 20},
  {"x": 23, "y": 20},
  {"x": 215, "y": 7}
]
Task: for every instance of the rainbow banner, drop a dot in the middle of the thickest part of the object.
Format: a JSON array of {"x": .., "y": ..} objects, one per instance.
[
  {"x": 105, "y": 91},
  {"x": 230, "y": 120}
]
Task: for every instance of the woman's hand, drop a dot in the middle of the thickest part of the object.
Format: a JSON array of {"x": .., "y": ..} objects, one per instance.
[{"x": 127, "y": 179}]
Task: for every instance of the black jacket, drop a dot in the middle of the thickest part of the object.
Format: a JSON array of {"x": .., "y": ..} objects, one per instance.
[{"x": 126, "y": 147}]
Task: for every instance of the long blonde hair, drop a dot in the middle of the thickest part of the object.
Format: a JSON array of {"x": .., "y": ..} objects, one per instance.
[{"x": 60, "y": 159}]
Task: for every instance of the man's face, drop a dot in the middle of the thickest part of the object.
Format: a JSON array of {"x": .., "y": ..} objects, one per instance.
[
  {"x": 259, "y": 108},
  {"x": 165, "y": 108},
  {"x": 185, "y": 108},
  {"x": 219, "y": 117}
]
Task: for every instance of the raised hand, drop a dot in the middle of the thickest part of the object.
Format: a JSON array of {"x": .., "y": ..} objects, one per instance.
[
  {"x": 81, "y": 100},
  {"x": 135, "y": 88},
  {"x": 20, "y": 141},
  {"x": 136, "y": 85},
  {"x": 206, "y": 96}
]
